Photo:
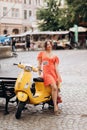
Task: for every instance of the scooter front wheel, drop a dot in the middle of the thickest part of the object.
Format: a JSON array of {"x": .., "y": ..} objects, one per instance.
[{"x": 21, "y": 106}]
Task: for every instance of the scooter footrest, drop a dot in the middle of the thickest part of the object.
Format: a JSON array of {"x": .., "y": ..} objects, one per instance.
[{"x": 39, "y": 79}]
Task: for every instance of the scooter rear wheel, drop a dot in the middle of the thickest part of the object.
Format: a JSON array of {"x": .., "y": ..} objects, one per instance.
[{"x": 19, "y": 109}]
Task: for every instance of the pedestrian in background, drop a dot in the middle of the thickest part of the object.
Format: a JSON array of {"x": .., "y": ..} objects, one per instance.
[
  {"x": 13, "y": 44},
  {"x": 28, "y": 42},
  {"x": 48, "y": 62}
]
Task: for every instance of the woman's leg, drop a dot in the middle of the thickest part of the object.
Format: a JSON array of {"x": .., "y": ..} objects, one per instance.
[
  {"x": 54, "y": 96},
  {"x": 59, "y": 100}
]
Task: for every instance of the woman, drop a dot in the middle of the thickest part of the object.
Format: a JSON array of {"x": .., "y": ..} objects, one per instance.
[{"x": 49, "y": 62}]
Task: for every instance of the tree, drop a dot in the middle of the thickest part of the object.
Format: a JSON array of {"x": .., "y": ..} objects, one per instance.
[
  {"x": 49, "y": 16},
  {"x": 55, "y": 18},
  {"x": 79, "y": 10},
  {"x": 75, "y": 13},
  {"x": 66, "y": 18}
]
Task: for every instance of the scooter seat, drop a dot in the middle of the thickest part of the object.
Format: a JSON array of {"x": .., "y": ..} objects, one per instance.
[{"x": 38, "y": 79}]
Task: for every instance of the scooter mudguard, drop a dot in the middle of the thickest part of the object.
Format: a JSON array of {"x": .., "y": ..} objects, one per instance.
[{"x": 22, "y": 96}]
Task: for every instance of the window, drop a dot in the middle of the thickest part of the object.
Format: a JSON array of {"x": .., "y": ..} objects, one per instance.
[
  {"x": 17, "y": 13},
  {"x": 29, "y": 2},
  {"x": 24, "y": 1},
  {"x": 36, "y": 2},
  {"x": 25, "y": 29},
  {"x": 4, "y": 11},
  {"x": 39, "y": 2},
  {"x": 5, "y": 31},
  {"x": 15, "y": 31},
  {"x": 30, "y": 13},
  {"x": 25, "y": 14},
  {"x": 13, "y": 12}
]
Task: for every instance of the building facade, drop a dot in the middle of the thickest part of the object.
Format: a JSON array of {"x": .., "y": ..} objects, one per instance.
[
  {"x": 18, "y": 16},
  {"x": 29, "y": 13},
  {"x": 10, "y": 16}
]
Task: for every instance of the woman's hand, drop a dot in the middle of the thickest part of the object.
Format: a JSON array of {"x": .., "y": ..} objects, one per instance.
[{"x": 39, "y": 71}]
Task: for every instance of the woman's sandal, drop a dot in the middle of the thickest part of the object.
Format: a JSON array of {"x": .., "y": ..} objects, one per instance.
[
  {"x": 59, "y": 100},
  {"x": 57, "y": 113}
]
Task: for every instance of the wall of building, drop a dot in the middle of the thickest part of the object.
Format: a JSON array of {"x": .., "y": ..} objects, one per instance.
[
  {"x": 10, "y": 16},
  {"x": 31, "y": 6},
  {"x": 18, "y": 16}
]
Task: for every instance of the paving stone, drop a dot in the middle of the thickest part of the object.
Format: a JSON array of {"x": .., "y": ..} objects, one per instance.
[{"x": 73, "y": 69}]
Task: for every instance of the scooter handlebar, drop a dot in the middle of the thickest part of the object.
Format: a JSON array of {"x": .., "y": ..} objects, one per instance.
[
  {"x": 15, "y": 64},
  {"x": 36, "y": 69},
  {"x": 23, "y": 66}
]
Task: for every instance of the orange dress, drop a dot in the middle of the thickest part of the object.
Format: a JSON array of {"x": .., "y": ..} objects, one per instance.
[{"x": 49, "y": 71}]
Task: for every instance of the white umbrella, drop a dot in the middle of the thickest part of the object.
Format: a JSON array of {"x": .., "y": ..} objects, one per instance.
[{"x": 80, "y": 29}]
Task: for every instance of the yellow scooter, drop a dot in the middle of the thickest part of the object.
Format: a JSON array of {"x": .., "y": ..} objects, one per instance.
[{"x": 28, "y": 91}]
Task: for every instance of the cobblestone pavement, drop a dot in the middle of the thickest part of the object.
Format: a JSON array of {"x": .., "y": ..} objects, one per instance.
[{"x": 73, "y": 68}]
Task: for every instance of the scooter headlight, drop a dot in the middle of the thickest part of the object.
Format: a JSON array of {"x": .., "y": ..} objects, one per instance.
[{"x": 28, "y": 68}]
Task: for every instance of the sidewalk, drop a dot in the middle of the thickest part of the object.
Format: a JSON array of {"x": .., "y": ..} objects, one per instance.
[{"x": 73, "y": 69}]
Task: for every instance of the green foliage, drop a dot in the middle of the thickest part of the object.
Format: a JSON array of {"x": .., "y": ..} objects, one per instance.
[
  {"x": 49, "y": 16},
  {"x": 74, "y": 14},
  {"x": 66, "y": 18},
  {"x": 54, "y": 18},
  {"x": 79, "y": 8}
]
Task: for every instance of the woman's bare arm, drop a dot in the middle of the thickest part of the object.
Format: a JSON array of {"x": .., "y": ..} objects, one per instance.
[{"x": 39, "y": 67}]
